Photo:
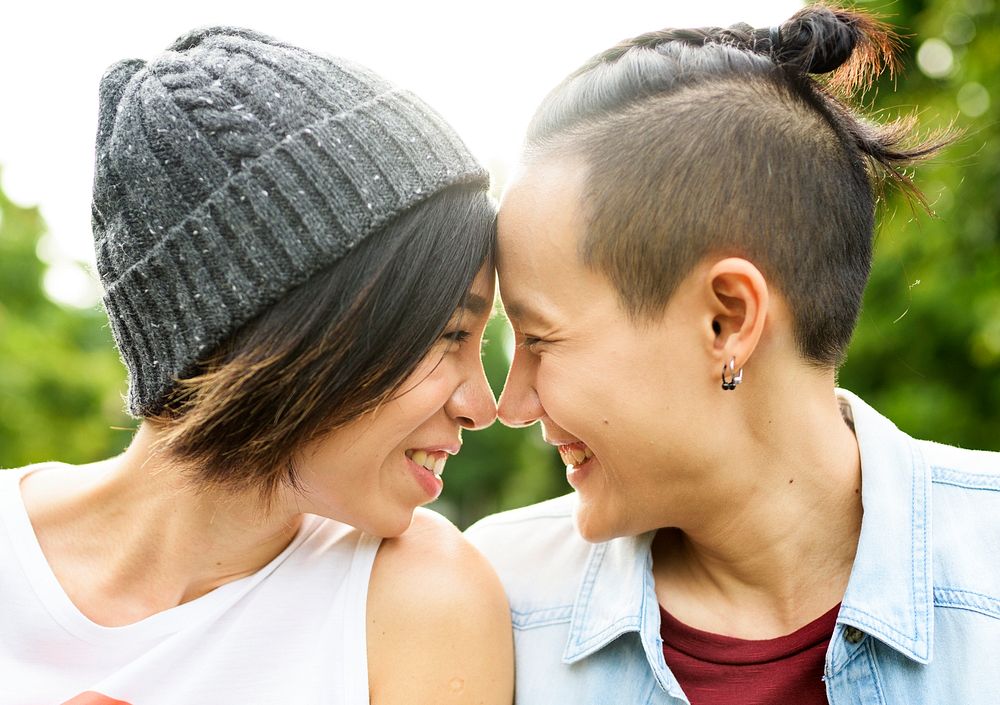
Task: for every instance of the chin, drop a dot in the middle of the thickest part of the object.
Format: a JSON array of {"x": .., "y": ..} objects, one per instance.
[
  {"x": 388, "y": 527},
  {"x": 594, "y": 525}
]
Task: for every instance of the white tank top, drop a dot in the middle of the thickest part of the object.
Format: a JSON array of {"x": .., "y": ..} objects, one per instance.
[{"x": 293, "y": 632}]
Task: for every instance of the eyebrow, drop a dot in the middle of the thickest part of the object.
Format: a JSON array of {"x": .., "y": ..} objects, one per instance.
[
  {"x": 519, "y": 312},
  {"x": 475, "y": 304}
]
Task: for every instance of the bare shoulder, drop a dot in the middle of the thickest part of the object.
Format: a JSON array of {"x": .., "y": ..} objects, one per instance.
[{"x": 438, "y": 621}]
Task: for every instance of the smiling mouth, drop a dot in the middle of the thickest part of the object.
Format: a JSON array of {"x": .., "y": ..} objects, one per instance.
[
  {"x": 575, "y": 454},
  {"x": 433, "y": 461}
]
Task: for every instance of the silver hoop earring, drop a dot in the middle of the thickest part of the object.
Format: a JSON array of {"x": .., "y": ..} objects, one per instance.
[{"x": 734, "y": 377}]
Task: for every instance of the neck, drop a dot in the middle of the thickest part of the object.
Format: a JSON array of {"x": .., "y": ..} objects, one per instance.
[
  {"x": 771, "y": 548},
  {"x": 132, "y": 536}
]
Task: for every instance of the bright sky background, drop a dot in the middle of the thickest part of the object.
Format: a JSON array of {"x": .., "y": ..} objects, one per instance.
[{"x": 484, "y": 66}]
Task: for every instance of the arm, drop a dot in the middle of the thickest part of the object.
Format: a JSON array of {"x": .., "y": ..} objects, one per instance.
[{"x": 439, "y": 629}]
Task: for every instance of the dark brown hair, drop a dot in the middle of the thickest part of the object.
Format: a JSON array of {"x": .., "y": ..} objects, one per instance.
[
  {"x": 723, "y": 141},
  {"x": 332, "y": 349}
]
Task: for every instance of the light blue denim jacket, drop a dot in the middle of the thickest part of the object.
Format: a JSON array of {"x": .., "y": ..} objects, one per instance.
[{"x": 919, "y": 624}]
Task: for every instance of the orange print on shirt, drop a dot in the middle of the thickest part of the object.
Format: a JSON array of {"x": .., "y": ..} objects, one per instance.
[{"x": 92, "y": 698}]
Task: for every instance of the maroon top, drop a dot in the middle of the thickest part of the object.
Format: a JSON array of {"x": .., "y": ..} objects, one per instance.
[{"x": 722, "y": 670}]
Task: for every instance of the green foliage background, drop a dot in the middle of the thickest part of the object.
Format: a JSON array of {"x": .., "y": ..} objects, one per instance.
[
  {"x": 926, "y": 353},
  {"x": 927, "y": 349},
  {"x": 60, "y": 378}
]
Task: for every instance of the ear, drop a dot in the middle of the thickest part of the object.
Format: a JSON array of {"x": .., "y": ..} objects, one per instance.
[{"x": 738, "y": 304}]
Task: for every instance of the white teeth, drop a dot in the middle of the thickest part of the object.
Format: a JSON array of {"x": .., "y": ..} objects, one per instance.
[
  {"x": 575, "y": 456},
  {"x": 429, "y": 461}
]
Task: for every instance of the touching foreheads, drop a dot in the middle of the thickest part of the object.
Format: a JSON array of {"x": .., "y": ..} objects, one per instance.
[{"x": 722, "y": 141}]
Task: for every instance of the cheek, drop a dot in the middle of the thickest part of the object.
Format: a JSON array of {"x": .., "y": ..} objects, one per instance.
[
  {"x": 424, "y": 392},
  {"x": 368, "y": 440},
  {"x": 596, "y": 380},
  {"x": 563, "y": 389},
  {"x": 335, "y": 472},
  {"x": 614, "y": 397}
]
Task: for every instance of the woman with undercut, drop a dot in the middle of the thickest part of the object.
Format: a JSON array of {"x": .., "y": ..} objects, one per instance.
[{"x": 682, "y": 254}]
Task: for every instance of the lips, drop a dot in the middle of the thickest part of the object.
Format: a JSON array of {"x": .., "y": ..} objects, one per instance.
[{"x": 426, "y": 467}]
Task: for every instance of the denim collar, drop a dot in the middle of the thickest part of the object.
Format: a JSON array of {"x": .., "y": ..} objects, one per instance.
[
  {"x": 889, "y": 594},
  {"x": 617, "y": 596}
]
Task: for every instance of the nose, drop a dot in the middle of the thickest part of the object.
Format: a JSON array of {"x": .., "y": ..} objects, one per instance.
[
  {"x": 519, "y": 403},
  {"x": 472, "y": 404}
]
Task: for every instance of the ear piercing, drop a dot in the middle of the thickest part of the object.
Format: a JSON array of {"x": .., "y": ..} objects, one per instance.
[{"x": 734, "y": 377}]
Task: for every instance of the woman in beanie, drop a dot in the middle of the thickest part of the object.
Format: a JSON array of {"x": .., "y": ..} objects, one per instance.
[{"x": 297, "y": 264}]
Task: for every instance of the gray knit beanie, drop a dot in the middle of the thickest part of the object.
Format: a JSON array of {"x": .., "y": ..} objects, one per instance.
[{"x": 231, "y": 168}]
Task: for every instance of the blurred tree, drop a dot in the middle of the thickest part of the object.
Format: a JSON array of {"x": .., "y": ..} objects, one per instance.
[
  {"x": 927, "y": 349},
  {"x": 60, "y": 378}
]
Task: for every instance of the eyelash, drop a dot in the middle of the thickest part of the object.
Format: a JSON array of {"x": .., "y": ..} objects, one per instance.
[
  {"x": 457, "y": 336},
  {"x": 529, "y": 343}
]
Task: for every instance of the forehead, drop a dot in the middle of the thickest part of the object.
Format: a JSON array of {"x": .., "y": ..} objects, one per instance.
[
  {"x": 542, "y": 201},
  {"x": 539, "y": 229}
]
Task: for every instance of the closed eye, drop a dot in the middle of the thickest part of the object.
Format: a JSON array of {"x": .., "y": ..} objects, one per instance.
[
  {"x": 457, "y": 336},
  {"x": 531, "y": 344}
]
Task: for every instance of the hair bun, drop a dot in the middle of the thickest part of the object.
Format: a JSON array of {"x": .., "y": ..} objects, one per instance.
[{"x": 819, "y": 39}]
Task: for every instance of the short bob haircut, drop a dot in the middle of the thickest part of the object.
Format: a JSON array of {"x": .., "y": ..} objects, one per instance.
[
  {"x": 331, "y": 350},
  {"x": 726, "y": 141}
]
